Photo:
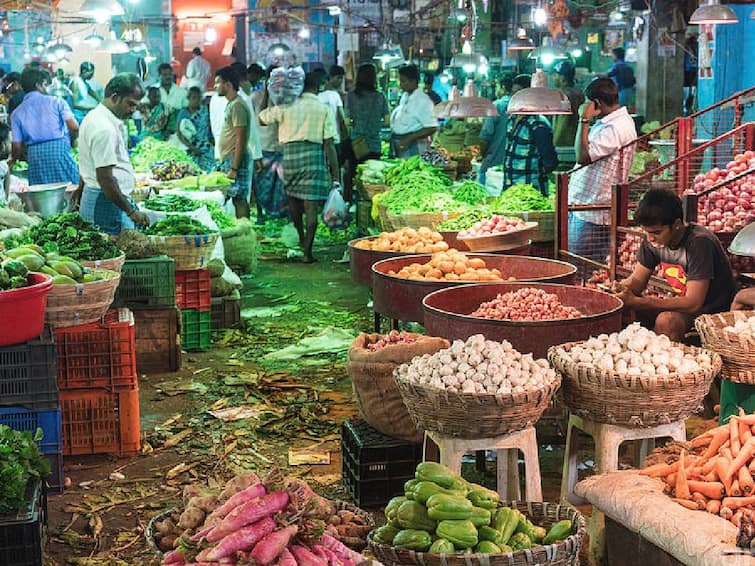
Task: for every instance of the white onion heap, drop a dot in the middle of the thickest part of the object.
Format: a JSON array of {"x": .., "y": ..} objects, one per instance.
[
  {"x": 479, "y": 366},
  {"x": 740, "y": 327},
  {"x": 637, "y": 351}
]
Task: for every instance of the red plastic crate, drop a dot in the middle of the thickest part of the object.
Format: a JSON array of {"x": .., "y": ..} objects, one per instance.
[
  {"x": 96, "y": 421},
  {"x": 101, "y": 354},
  {"x": 193, "y": 289}
]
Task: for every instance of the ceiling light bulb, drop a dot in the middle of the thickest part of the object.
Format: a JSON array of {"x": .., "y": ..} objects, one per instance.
[
  {"x": 304, "y": 33},
  {"x": 94, "y": 40},
  {"x": 210, "y": 34},
  {"x": 539, "y": 16},
  {"x": 466, "y": 49},
  {"x": 334, "y": 10},
  {"x": 577, "y": 53},
  {"x": 99, "y": 9}
]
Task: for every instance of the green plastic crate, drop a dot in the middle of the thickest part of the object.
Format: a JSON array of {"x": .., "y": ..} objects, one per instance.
[
  {"x": 733, "y": 396},
  {"x": 147, "y": 284},
  {"x": 196, "y": 330}
]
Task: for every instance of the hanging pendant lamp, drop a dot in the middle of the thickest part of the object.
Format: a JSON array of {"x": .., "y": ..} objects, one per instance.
[
  {"x": 539, "y": 99},
  {"x": 114, "y": 45},
  {"x": 713, "y": 13},
  {"x": 101, "y": 8}
]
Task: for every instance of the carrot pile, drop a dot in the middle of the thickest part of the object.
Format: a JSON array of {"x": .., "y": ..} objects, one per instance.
[{"x": 715, "y": 473}]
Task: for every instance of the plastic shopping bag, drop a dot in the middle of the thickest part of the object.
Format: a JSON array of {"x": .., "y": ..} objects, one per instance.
[{"x": 335, "y": 215}]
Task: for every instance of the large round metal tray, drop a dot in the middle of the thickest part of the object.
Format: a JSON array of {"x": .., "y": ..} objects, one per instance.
[
  {"x": 361, "y": 261},
  {"x": 401, "y": 299},
  {"x": 447, "y": 315}
]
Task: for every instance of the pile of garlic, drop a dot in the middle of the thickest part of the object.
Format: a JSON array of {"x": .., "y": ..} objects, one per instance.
[
  {"x": 746, "y": 327},
  {"x": 636, "y": 351},
  {"x": 479, "y": 366}
]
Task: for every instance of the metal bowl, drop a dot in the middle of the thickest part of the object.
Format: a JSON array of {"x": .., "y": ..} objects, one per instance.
[{"x": 45, "y": 200}]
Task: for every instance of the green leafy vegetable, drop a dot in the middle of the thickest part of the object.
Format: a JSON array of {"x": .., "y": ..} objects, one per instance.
[
  {"x": 521, "y": 198},
  {"x": 70, "y": 235},
  {"x": 172, "y": 203},
  {"x": 177, "y": 225},
  {"x": 223, "y": 220},
  {"x": 151, "y": 151},
  {"x": 20, "y": 462},
  {"x": 470, "y": 192},
  {"x": 466, "y": 220}
]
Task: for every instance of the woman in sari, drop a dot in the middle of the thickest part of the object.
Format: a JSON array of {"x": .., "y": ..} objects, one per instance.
[{"x": 194, "y": 131}]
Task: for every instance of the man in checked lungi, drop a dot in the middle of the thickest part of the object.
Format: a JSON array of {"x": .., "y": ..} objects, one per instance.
[
  {"x": 43, "y": 131},
  {"x": 307, "y": 130}
]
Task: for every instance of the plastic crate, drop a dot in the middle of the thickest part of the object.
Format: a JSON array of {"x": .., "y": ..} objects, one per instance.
[
  {"x": 97, "y": 421},
  {"x": 196, "y": 330},
  {"x": 28, "y": 373},
  {"x": 56, "y": 478},
  {"x": 101, "y": 354},
  {"x": 21, "y": 533},
  {"x": 147, "y": 284},
  {"x": 375, "y": 466},
  {"x": 23, "y": 419},
  {"x": 193, "y": 289},
  {"x": 158, "y": 340},
  {"x": 226, "y": 313}
]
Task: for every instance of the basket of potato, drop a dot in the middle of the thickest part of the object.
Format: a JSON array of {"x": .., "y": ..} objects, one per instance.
[{"x": 450, "y": 265}]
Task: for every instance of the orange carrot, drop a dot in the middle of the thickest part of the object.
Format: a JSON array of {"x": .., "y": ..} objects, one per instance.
[
  {"x": 708, "y": 466},
  {"x": 745, "y": 480},
  {"x": 711, "y": 476},
  {"x": 722, "y": 466},
  {"x": 744, "y": 433},
  {"x": 671, "y": 479},
  {"x": 725, "y": 512},
  {"x": 735, "y": 491},
  {"x": 736, "y": 444},
  {"x": 686, "y": 503},
  {"x": 659, "y": 470},
  {"x": 700, "y": 499},
  {"x": 726, "y": 453},
  {"x": 747, "y": 419},
  {"x": 751, "y": 465},
  {"x": 681, "y": 489},
  {"x": 744, "y": 456},
  {"x": 713, "y": 506},
  {"x": 712, "y": 490},
  {"x": 737, "y": 502},
  {"x": 718, "y": 439}
]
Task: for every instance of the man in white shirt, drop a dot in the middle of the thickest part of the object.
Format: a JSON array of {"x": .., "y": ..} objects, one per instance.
[
  {"x": 86, "y": 92},
  {"x": 331, "y": 96},
  {"x": 172, "y": 96},
  {"x": 107, "y": 177},
  {"x": 603, "y": 161},
  {"x": 245, "y": 93},
  {"x": 412, "y": 122},
  {"x": 197, "y": 71}
]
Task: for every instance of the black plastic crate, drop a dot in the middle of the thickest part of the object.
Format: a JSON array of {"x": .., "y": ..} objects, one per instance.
[
  {"x": 29, "y": 373},
  {"x": 370, "y": 448},
  {"x": 21, "y": 533},
  {"x": 56, "y": 479},
  {"x": 372, "y": 493}
]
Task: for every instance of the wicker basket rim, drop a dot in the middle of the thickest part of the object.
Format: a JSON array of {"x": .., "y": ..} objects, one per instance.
[
  {"x": 528, "y": 226},
  {"x": 86, "y": 261},
  {"x": 570, "y": 368}
]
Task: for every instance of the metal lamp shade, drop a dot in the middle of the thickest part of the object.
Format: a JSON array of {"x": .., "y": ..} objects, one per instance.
[
  {"x": 713, "y": 13},
  {"x": 93, "y": 8},
  {"x": 440, "y": 110},
  {"x": 471, "y": 107},
  {"x": 744, "y": 242},
  {"x": 521, "y": 44},
  {"x": 539, "y": 100}
]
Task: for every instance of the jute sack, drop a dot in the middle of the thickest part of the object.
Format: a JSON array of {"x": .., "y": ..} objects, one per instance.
[
  {"x": 376, "y": 394},
  {"x": 240, "y": 243}
]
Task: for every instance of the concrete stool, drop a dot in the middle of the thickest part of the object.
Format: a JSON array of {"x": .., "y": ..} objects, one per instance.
[
  {"x": 452, "y": 449},
  {"x": 607, "y": 439}
]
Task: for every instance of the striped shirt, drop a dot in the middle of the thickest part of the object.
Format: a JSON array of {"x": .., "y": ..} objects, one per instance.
[{"x": 530, "y": 154}]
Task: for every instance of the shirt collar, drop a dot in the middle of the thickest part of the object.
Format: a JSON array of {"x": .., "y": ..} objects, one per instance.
[
  {"x": 32, "y": 93},
  {"x": 615, "y": 115}
]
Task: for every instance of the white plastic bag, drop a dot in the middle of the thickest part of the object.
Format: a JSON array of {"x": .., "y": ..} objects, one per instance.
[
  {"x": 335, "y": 215},
  {"x": 285, "y": 85}
]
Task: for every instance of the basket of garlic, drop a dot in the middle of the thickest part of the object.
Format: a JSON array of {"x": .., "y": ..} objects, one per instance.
[
  {"x": 732, "y": 335},
  {"x": 633, "y": 378},
  {"x": 477, "y": 388}
]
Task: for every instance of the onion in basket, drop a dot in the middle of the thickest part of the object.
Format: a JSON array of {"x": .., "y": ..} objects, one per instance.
[
  {"x": 636, "y": 351},
  {"x": 746, "y": 327},
  {"x": 479, "y": 366}
]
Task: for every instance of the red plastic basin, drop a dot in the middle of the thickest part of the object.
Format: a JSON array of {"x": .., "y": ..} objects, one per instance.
[{"x": 22, "y": 311}]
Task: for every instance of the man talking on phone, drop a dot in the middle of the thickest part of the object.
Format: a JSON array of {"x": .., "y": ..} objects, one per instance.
[{"x": 600, "y": 165}]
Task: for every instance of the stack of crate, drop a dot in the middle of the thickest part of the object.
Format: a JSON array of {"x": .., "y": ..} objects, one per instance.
[
  {"x": 193, "y": 297},
  {"x": 29, "y": 396},
  {"x": 99, "y": 389},
  {"x": 147, "y": 287}
]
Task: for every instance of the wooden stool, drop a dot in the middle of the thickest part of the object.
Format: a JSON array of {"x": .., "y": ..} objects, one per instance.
[
  {"x": 607, "y": 439},
  {"x": 452, "y": 449}
]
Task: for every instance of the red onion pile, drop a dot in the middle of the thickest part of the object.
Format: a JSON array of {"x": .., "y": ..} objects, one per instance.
[
  {"x": 733, "y": 206},
  {"x": 526, "y": 304},
  {"x": 496, "y": 224},
  {"x": 393, "y": 337}
]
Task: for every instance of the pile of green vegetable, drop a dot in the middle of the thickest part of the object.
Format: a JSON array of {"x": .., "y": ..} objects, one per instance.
[
  {"x": 20, "y": 463},
  {"x": 199, "y": 182},
  {"x": 223, "y": 220},
  {"x": 172, "y": 203},
  {"x": 470, "y": 192},
  {"x": 442, "y": 513},
  {"x": 522, "y": 198},
  {"x": 407, "y": 168},
  {"x": 642, "y": 159},
  {"x": 371, "y": 171},
  {"x": 70, "y": 235},
  {"x": 177, "y": 225},
  {"x": 466, "y": 220},
  {"x": 17, "y": 263},
  {"x": 150, "y": 151}
]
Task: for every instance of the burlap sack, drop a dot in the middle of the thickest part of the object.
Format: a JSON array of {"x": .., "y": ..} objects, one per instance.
[
  {"x": 240, "y": 245},
  {"x": 377, "y": 396}
]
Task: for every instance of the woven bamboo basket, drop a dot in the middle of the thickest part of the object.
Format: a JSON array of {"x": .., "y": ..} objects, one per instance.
[
  {"x": 426, "y": 219},
  {"x": 395, "y": 221},
  {"x": 501, "y": 241},
  {"x": 468, "y": 415},
  {"x": 563, "y": 553},
  {"x": 631, "y": 401},
  {"x": 189, "y": 252},
  {"x": 367, "y": 191},
  {"x": 114, "y": 264},
  {"x": 737, "y": 350},
  {"x": 383, "y": 216},
  {"x": 72, "y": 305}
]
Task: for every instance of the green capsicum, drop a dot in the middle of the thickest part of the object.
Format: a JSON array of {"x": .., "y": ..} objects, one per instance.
[
  {"x": 442, "y": 546},
  {"x": 533, "y": 532},
  {"x": 463, "y": 534},
  {"x": 413, "y": 515},
  {"x": 487, "y": 547},
  {"x": 409, "y": 488},
  {"x": 412, "y": 539},
  {"x": 385, "y": 534},
  {"x": 520, "y": 541},
  {"x": 558, "y": 532},
  {"x": 424, "y": 490},
  {"x": 392, "y": 507},
  {"x": 436, "y": 473},
  {"x": 455, "y": 507},
  {"x": 482, "y": 496},
  {"x": 489, "y": 534},
  {"x": 480, "y": 517}
]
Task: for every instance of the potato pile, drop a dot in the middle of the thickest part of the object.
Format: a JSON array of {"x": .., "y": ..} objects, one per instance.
[
  {"x": 450, "y": 266},
  {"x": 406, "y": 240}
]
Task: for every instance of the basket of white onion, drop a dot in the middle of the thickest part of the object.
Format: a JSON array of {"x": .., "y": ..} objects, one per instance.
[
  {"x": 732, "y": 335},
  {"x": 476, "y": 389},
  {"x": 634, "y": 378}
]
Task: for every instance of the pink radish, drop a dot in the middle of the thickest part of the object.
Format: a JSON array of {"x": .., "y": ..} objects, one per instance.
[
  {"x": 243, "y": 539},
  {"x": 247, "y": 513},
  {"x": 174, "y": 558},
  {"x": 286, "y": 559},
  {"x": 341, "y": 550},
  {"x": 251, "y": 492},
  {"x": 203, "y": 533},
  {"x": 305, "y": 557},
  {"x": 270, "y": 547},
  {"x": 328, "y": 555}
]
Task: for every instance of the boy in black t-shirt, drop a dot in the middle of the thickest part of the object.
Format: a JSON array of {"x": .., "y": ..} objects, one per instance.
[{"x": 692, "y": 261}]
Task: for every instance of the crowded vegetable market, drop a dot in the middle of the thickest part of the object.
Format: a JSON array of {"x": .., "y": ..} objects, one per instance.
[{"x": 377, "y": 282}]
